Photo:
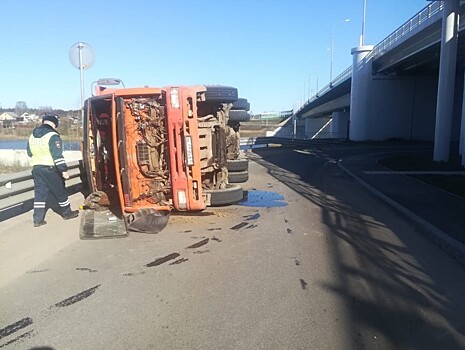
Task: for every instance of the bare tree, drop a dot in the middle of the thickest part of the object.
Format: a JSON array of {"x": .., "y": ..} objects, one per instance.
[
  {"x": 45, "y": 109},
  {"x": 21, "y": 107}
]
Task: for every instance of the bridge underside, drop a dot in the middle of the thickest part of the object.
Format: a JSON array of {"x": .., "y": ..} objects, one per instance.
[{"x": 401, "y": 97}]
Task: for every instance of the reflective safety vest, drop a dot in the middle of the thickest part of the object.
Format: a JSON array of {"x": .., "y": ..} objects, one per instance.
[{"x": 40, "y": 149}]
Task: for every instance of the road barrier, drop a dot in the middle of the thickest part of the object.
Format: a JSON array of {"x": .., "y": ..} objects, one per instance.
[
  {"x": 17, "y": 190},
  {"x": 252, "y": 142}
]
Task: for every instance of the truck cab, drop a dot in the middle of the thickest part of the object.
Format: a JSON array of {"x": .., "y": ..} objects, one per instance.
[{"x": 159, "y": 148}]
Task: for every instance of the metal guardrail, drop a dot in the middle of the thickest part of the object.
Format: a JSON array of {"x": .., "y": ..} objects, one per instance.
[
  {"x": 267, "y": 141},
  {"x": 17, "y": 190},
  {"x": 432, "y": 10},
  {"x": 346, "y": 74}
]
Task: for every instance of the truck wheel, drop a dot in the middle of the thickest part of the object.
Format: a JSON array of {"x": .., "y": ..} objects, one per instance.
[
  {"x": 239, "y": 116},
  {"x": 231, "y": 194},
  {"x": 240, "y": 164},
  {"x": 86, "y": 187},
  {"x": 238, "y": 177},
  {"x": 241, "y": 103},
  {"x": 221, "y": 94}
]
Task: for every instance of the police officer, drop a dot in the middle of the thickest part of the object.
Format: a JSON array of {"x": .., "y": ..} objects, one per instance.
[{"x": 49, "y": 171}]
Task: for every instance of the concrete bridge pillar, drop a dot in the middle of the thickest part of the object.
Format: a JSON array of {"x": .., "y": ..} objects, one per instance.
[
  {"x": 316, "y": 128},
  {"x": 361, "y": 76},
  {"x": 339, "y": 125},
  {"x": 462, "y": 126},
  {"x": 446, "y": 85}
]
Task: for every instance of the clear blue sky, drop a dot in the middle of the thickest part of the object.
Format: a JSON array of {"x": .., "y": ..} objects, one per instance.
[{"x": 267, "y": 49}]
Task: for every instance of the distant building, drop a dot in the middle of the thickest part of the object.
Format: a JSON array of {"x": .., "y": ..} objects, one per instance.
[
  {"x": 28, "y": 118},
  {"x": 273, "y": 115},
  {"x": 8, "y": 119}
]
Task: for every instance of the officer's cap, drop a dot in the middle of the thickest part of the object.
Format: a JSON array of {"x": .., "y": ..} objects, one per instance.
[{"x": 52, "y": 118}]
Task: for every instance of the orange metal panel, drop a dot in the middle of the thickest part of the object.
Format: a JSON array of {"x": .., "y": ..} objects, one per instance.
[
  {"x": 182, "y": 121},
  {"x": 136, "y": 180}
]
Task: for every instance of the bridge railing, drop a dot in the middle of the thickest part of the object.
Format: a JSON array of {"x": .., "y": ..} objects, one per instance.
[
  {"x": 346, "y": 74},
  {"x": 17, "y": 190},
  {"x": 432, "y": 10},
  {"x": 428, "y": 12},
  {"x": 252, "y": 142}
]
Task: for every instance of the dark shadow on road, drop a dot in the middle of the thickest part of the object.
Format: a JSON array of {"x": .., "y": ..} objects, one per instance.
[{"x": 398, "y": 290}]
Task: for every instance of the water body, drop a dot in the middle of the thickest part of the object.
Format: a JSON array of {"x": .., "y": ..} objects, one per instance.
[
  {"x": 262, "y": 199},
  {"x": 22, "y": 145},
  {"x": 252, "y": 146}
]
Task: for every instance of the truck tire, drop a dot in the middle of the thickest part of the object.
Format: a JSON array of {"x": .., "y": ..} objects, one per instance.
[
  {"x": 220, "y": 93},
  {"x": 231, "y": 194},
  {"x": 86, "y": 187},
  {"x": 238, "y": 177},
  {"x": 239, "y": 116},
  {"x": 240, "y": 164},
  {"x": 241, "y": 103}
]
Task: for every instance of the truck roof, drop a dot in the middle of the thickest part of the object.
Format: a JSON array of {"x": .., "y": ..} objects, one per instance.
[{"x": 100, "y": 91}]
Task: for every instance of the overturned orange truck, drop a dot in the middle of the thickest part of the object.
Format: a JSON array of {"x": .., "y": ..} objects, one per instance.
[{"x": 150, "y": 150}]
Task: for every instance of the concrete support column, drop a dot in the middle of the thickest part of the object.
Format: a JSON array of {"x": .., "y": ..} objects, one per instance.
[
  {"x": 462, "y": 127},
  {"x": 314, "y": 128},
  {"x": 361, "y": 76},
  {"x": 462, "y": 139},
  {"x": 445, "y": 100},
  {"x": 339, "y": 124}
]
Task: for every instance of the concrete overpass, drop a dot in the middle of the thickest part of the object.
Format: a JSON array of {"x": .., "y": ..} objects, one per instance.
[{"x": 410, "y": 86}]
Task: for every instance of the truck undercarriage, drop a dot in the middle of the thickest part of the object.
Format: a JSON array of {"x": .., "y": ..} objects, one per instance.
[{"x": 160, "y": 149}]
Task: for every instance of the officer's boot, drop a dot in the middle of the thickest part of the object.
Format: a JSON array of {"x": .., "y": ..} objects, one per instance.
[{"x": 70, "y": 214}]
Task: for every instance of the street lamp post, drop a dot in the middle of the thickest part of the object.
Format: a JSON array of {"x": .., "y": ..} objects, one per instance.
[
  {"x": 362, "y": 36},
  {"x": 317, "y": 68}
]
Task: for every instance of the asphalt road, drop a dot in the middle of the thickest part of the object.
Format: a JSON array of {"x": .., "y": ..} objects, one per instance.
[{"x": 310, "y": 261}]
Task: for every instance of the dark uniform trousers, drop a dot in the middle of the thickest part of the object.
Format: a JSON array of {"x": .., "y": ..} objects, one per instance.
[{"x": 49, "y": 192}]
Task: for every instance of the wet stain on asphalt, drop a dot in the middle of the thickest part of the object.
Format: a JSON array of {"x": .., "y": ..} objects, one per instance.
[
  {"x": 77, "y": 297},
  {"x": 162, "y": 260},
  {"x": 20, "y": 338},
  {"x": 239, "y": 226},
  {"x": 131, "y": 274},
  {"x": 179, "y": 261},
  {"x": 289, "y": 231},
  {"x": 198, "y": 244},
  {"x": 297, "y": 262},
  {"x": 216, "y": 239},
  {"x": 243, "y": 224},
  {"x": 85, "y": 269},
  {"x": 286, "y": 221},
  {"x": 201, "y": 251},
  {"x": 14, "y": 327},
  {"x": 303, "y": 284},
  {"x": 262, "y": 199},
  {"x": 252, "y": 217},
  {"x": 38, "y": 271}
]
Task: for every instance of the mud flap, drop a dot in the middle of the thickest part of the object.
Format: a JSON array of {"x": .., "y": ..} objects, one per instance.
[
  {"x": 147, "y": 220},
  {"x": 101, "y": 224}
]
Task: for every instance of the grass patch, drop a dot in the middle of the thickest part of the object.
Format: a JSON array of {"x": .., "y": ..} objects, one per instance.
[{"x": 451, "y": 183}]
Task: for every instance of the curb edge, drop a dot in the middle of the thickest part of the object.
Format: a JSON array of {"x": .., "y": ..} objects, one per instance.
[{"x": 448, "y": 244}]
